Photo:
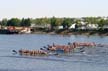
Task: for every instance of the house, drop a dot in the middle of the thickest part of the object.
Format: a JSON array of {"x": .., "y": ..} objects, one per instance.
[
  {"x": 32, "y": 25},
  {"x": 40, "y": 25},
  {"x": 82, "y": 26},
  {"x": 105, "y": 26},
  {"x": 60, "y": 27},
  {"x": 25, "y": 30},
  {"x": 73, "y": 26},
  {"x": 83, "y": 23},
  {"x": 92, "y": 26},
  {"x": 20, "y": 29}
]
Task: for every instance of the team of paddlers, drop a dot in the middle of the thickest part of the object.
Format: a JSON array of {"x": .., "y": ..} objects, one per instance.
[{"x": 46, "y": 50}]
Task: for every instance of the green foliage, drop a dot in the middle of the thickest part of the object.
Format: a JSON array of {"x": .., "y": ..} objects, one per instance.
[
  {"x": 4, "y": 22},
  {"x": 41, "y": 21},
  {"x": 13, "y": 22},
  {"x": 54, "y": 22},
  {"x": 66, "y": 23},
  {"x": 78, "y": 21},
  {"x": 101, "y": 22},
  {"x": 25, "y": 22}
]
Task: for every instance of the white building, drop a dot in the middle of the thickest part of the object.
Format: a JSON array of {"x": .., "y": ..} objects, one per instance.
[
  {"x": 72, "y": 26},
  {"x": 83, "y": 23},
  {"x": 60, "y": 27},
  {"x": 92, "y": 26},
  {"x": 82, "y": 26},
  {"x": 105, "y": 26},
  {"x": 33, "y": 25}
]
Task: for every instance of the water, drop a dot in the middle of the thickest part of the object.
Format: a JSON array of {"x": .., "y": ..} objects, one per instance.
[{"x": 96, "y": 59}]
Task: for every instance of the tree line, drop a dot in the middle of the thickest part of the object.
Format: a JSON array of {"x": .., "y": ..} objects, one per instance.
[
  {"x": 16, "y": 22},
  {"x": 54, "y": 21}
]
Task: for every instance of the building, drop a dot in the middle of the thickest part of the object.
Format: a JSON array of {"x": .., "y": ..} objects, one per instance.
[
  {"x": 82, "y": 26},
  {"x": 92, "y": 26},
  {"x": 72, "y": 26},
  {"x": 105, "y": 26}
]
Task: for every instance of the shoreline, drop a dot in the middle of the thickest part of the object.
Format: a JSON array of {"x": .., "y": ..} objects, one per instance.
[
  {"x": 72, "y": 33},
  {"x": 61, "y": 32}
]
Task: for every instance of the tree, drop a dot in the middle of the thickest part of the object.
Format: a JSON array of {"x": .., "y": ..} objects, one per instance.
[
  {"x": 4, "y": 22},
  {"x": 59, "y": 21},
  {"x": 45, "y": 20},
  {"x": 25, "y": 22},
  {"x": 66, "y": 23},
  {"x": 101, "y": 23},
  {"x": 13, "y": 22},
  {"x": 53, "y": 23}
]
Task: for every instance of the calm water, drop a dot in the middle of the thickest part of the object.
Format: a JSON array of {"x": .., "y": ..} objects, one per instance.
[{"x": 96, "y": 59}]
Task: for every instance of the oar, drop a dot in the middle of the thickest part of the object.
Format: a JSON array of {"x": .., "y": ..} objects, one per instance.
[
  {"x": 14, "y": 52},
  {"x": 102, "y": 45}
]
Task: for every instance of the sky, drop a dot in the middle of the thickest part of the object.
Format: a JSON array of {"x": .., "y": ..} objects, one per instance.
[{"x": 49, "y": 8}]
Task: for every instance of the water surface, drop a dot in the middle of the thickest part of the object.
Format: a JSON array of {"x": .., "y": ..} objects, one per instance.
[{"x": 96, "y": 59}]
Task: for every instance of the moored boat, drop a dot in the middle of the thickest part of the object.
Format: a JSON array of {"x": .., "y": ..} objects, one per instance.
[{"x": 5, "y": 31}]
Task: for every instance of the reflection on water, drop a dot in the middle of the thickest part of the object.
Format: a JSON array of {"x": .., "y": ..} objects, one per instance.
[{"x": 94, "y": 59}]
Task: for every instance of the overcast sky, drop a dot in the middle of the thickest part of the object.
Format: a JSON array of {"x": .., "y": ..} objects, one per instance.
[{"x": 49, "y": 8}]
